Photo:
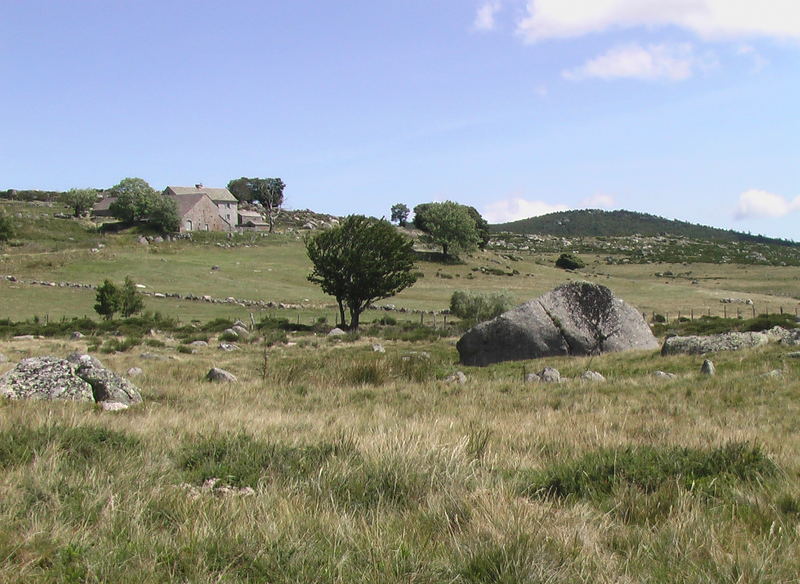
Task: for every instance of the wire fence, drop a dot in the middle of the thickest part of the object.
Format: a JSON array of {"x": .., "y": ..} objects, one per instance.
[{"x": 725, "y": 310}]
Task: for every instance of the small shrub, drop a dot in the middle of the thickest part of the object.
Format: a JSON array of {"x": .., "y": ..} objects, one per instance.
[
  {"x": 229, "y": 337},
  {"x": 185, "y": 349},
  {"x": 120, "y": 346},
  {"x": 155, "y": 343},
  {"x": 477, "y": 307},
  {"x": 568, "y": 261}
]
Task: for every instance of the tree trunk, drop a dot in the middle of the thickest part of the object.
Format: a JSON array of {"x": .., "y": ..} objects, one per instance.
[
  {"x": 444, "y": 248},
  {"x": 355, "y": 317},
  {"x": 341, "y": 313}
]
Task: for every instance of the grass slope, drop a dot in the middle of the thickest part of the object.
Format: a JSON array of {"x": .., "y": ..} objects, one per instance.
[{"x": 367, "y": 467}]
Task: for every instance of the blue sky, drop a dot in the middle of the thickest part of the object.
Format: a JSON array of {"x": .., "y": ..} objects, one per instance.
[{"x": 689, "y": 109}]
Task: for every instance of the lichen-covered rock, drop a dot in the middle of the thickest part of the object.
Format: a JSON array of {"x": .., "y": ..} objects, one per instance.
[
  {"x": 77, "y": 378},
  {"x": 708, "y": 368},
  {"x": 107, "y": 386},
  {"x": 45, "y": 378},
  {"x": 579, "y": 318},
  {"x": 699, "y": 345},
  {"x": 221, "y": 376}
]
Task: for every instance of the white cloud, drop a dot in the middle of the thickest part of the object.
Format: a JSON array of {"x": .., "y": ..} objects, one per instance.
[
  {"x": 485, "y": 16},
  {"x": 709, "y": 19},
  {"x": 598, "y": 201},
  {"x": 651, "y": 63},
  {"x": 518, "y": 208},
  {"x": 757, "y": 203}
]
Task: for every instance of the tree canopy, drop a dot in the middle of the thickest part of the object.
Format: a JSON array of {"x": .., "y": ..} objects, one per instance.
[
  {"x": 449, "y": 225},
  {"x": 138, "y": 202},
  {"x": 400, "y": 212},
  {"x": 359, "y": 261},
  {"x": 6, "y": 227},
  {"x": 267, "y": 191},
  {"x": 80, "y": 201}
]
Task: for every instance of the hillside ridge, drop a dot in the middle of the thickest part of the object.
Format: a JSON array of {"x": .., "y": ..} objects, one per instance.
[{"x": 620, "y": 223}]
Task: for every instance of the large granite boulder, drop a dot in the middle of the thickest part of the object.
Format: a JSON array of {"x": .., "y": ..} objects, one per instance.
[
  {"x": 77, "y": 378},
  {"x": 579, "y": 318}
]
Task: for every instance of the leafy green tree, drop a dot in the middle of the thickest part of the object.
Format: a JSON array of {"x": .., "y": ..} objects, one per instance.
[
  {"x": 107, "y": 298},
  {"x": 359, "y": 261},
  {"x": 80, "y": 201},
  {"x": 475, "y": 307},
  {"x": 268, "y": 191},
  {"x": 568, "y": 261},
  {"x": 164, "y": 215},
  {"x": 6, "y": 227},
  {"x": 130, "y": 299},
  {"x": 447, "y": 224},
  {"x": 135, "y": 200},
  {"x": 400, "y": 213}
]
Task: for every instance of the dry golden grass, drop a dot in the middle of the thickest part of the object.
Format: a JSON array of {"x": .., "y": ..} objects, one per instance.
[{"x": 394, "y": 480}]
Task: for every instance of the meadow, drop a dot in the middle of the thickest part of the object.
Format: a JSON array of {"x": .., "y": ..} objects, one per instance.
[{"x": 337, "y": 463}]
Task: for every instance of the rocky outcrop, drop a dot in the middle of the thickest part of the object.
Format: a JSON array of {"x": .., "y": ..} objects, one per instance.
[
  {"x": 579, "y": 318},
  {"x": 76, "y": 378},
  {"x": 700, "y": 345}
]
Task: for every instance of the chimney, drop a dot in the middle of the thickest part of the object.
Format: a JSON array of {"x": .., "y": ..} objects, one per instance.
[{"x": 198, "y": 186}]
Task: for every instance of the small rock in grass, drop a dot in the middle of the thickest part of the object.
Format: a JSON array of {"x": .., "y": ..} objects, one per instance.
[
  {"x": 550, "y": 375},
  {"x": 378, "y": 348},
  {"x": 109, "y": 406},
  {"x": 76, "y": 335},
  {"x": 336, "y": 332},
  {"x": 664, "y": 375},
  {"x": 198, "y": 344},
  {"x": 3, "y": 358},
  {"x": 792, "y": 355},
  {"x": 457, "y": 377},
  {"x": 774, "y": 374},
  {"x": 708, "y": 368},
  {"x": 228, "y": 347},
  {"x": 134, "y": 371},
  {"x": 592, "y": 376},
  {"x": 221, "y": 376}
]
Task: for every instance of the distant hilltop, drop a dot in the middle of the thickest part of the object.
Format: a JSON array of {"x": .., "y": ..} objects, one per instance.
[{"x": 599, "y": 223}]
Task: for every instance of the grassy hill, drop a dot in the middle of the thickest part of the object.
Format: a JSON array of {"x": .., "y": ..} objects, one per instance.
[{"x": 596, "y": 222}]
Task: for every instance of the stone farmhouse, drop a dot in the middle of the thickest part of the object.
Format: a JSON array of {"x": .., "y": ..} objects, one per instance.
[{"x": 202, "y": 208}]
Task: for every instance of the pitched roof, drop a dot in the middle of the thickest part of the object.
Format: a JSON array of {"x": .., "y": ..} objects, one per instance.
[
  {"x": 216, "y": 194},
  {"x": 186, "y": 202},
  {"x": 103, "y": 204}
]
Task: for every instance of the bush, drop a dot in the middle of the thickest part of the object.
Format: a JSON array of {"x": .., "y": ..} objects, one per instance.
[
  {"x": 567, "y": 261},
  {"x": 6, "y": 227},
  {"x": 477, "y": 307}
]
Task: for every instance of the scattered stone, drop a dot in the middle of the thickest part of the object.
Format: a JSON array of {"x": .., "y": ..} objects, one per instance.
[
  {"x": 457, "y": 377},
  {"x": 76, "y": 335},
  {"x": 774, "y": 374},
  {"x": 578, "y": 318},
  {"x": 134, "y": 371},
  {"x": 550, "y": 375},
  {"x": 336, "y": 332},
  {"x": 378, "y": 348},
  {"x": 230, "y": 334},
  {"x": 214, "y": 268},
  {"x": 593, "y": 376},
  {"x": 221, "y": 376},
  {"x": 664, "y": 375},
  {"x": 210, "y": 487},
  {"x": 792, "y": 355},
  {"x": 143, "y": 241},
  {"x": 532, "y": 378},
  {"x": 417, "y": 355},
  {"x": 698, "y": 345},
  {"x": 243, "y": 333},
  {"x": 228, "y": 347},
  {"x": 23, "y": 338},
  {"x": 198, "y": 344},
  {"x": 108, "y": 406},
  {"x": 708, "y": 368}
]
